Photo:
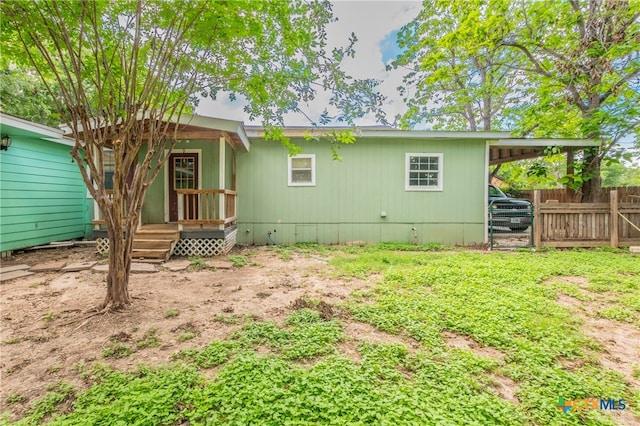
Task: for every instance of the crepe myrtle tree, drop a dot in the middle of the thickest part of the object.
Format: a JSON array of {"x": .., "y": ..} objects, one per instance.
[{"x": 123, "y": 70}]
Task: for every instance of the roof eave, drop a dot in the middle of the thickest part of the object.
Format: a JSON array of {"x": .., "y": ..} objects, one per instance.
[
  {"x": 520, "y": 142},
  {"x": 45, "y": 132},
  {"x": 30, "y": 126},
  {"x": 254, "y": 131},
  {"x": 430, "y": 134}
]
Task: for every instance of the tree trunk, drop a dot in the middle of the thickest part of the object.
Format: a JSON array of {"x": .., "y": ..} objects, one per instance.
[
  {"x": 592, "y": 185},
  {"x": 118, "y": 276},
  {"x": 121, "y": 232}
]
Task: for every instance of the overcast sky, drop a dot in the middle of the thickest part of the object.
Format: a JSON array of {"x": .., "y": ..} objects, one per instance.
[{"x": 375, "y": 24}]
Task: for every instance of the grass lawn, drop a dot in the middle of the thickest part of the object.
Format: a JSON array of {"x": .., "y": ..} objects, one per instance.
[{"x": 472, "y": 338}]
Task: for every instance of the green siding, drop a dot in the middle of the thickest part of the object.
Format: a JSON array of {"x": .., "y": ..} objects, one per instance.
[
  {"x": 43, "y": 196},
  {"x": 349, "y": 196},
  {"x": 229, "y": 157}
]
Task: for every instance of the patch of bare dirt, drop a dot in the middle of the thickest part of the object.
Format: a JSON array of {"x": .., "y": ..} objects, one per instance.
[
  {"x": 572, "y": 279},
  {"x": 620, "y": 342},
  {"x": 460, "y": 341},
  {"x": 44, "y": 339},
  {"x": 360, "y": 332},
  {"x": 506, "y": 388},
  {"x": 503, "y": 385}
]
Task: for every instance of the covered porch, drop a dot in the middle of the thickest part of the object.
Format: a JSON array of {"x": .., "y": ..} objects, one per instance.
[{"x": 193, "y": 200}]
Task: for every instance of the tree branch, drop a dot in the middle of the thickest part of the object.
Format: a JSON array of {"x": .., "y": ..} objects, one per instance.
[{"x": 618, "y": 84}]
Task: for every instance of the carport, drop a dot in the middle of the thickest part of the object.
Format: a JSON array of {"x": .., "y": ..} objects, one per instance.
[{"x": 501, "y": 151}]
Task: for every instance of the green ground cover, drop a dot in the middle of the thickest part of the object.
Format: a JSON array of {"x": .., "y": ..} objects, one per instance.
[{"x": 297, "y": 373}]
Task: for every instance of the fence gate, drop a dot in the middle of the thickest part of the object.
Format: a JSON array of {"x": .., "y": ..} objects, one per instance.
[{"x": 510, "y": 223}]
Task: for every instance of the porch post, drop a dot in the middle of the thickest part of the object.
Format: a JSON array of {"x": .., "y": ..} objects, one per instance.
[
  {"x": 96, "y": 208},
  {"x": 570, "y": 163},
  {"x": 96, "y": 214},
  {"x": 221, "y": 180}
]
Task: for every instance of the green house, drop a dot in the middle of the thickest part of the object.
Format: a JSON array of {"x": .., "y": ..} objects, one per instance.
[
  {"x": 225, "y": 184},
  {"x": 42, "y": 195},
  {"x": 390, "y": 186}
]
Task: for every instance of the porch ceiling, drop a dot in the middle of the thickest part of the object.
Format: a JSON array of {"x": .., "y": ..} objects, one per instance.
[{"x": 187, "y": 131}]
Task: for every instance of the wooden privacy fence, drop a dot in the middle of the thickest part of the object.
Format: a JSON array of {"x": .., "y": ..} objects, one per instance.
[
  {"x": 626, "y": 194},
  {"x": 562, "y": 224}
]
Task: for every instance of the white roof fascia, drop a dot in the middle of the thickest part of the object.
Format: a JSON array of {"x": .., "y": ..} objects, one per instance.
[
  {"x": 382, "y": 133},
  {"x": 47, "y": 133},
  {"x": 242, "y": 134},
  {"x": 431, "y": 134},
  {"x": 525, "y": 142},
  {"x": 30, "y": 126}
]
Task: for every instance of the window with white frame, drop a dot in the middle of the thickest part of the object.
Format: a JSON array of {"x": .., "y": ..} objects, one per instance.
[
  {"x": 423, "y": 172},
  {"x": 302, "y": 170}
]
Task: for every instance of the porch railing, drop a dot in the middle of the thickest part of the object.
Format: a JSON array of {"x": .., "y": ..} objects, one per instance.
[{"x": 206, "y": 206}]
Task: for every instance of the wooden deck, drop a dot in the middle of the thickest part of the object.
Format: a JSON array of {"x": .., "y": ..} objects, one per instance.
[
  {"x": 162, "y": 240},
  {"x": 191, "y": 230},
  {"x": 175, "y": 227}
]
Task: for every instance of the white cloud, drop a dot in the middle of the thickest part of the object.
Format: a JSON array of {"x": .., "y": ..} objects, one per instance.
[{"x": 372, "y": 22}]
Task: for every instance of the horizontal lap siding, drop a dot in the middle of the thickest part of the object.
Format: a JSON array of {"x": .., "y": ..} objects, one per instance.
[
  {"x": 350, "y": 195},
  {"x": 43, "y": 195}
]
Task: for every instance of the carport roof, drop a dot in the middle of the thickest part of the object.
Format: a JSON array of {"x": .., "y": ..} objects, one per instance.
[{"x": 512, "y": 149}]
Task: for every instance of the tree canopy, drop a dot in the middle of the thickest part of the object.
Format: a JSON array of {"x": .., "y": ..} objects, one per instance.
[
  {"x": 575, "y": 65},
  {"x": 120, "y": 71},
  {"x": 23, "y": 94},
  {"x": 456, "y": 79}
]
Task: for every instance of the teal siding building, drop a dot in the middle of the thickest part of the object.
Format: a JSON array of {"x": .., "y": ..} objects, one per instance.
[{"x": 42, "y": 195}]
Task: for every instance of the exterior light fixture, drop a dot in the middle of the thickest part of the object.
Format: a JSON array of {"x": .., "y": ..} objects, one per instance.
[{"x": 6, "y": 143}]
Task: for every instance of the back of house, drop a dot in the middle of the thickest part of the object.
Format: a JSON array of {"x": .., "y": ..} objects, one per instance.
[{"x": 390, "y": 185}]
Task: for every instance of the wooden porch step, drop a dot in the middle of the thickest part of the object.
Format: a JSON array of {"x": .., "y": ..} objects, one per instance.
[
  {"x": 154, "y": 243},
  {"x": 144, "y": 243},
  {"x": 158, "y": 234},
  {"x": 152, "y": 253}
]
